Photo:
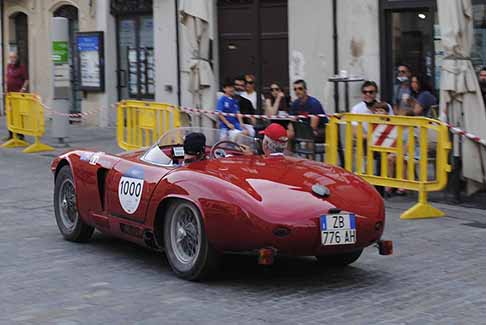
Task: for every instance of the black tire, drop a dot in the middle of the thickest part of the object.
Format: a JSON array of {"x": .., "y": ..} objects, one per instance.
[
  {"x": 74, "y": 229},
  {"x": 205, "y": 261},
  {"x": 339, "y": 259}
]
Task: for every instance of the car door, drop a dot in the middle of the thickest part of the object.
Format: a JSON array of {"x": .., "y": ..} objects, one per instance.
[{"x": 130, "y": 186}]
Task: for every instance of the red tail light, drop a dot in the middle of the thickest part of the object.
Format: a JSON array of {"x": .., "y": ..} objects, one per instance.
[
  {"x": 266, "y": 256},
  {"x": 385, "y": 247}
]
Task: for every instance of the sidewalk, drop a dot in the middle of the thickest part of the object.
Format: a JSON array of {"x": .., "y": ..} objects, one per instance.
[{"x": 475, "y": 201}]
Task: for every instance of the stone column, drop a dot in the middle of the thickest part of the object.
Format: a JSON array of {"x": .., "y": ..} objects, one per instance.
[
  {"x": 106, "y": 22},
  {"x": 165, "y": 52}
]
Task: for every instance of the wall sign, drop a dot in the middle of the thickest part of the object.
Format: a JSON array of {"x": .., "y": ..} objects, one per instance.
[
  {"x": 60, "y": 52},
  {"x": 91, "y": 60}
]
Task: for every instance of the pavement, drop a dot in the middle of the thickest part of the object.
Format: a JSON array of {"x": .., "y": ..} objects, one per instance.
[{"x": 436, "y": 276}]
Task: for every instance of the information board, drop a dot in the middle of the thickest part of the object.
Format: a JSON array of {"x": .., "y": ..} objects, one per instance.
[{"x": 90, "y": 48}]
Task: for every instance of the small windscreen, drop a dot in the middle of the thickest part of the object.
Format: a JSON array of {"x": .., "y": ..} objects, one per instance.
[{"x": 175, "y": 139}]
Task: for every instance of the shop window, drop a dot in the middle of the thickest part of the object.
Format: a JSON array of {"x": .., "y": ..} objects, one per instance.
[
  {"x": 135, "y": 29},
  {"x": 478, "y": 53}
]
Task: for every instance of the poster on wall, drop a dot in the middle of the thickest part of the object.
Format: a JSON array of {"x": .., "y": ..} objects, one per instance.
[
  {"x": 60, "y": 52},
  {"x": 132, "y": 72},
  {"x": 90, "y": 46}
]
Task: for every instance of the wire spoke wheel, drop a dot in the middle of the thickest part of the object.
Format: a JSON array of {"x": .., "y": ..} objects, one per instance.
[
  {"x": 69, "y": 221},
  {"x": 185, "y": 229},
  {"x": 67, "y": 204},
  {"x": 187, "y": 248}
]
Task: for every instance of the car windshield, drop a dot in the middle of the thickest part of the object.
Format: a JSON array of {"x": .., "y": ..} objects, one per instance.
[{"x": 161, "y": 153}]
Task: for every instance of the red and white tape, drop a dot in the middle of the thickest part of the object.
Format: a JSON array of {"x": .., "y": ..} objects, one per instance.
[
  {"x": 70, "y": 115},
  {"x": 453, "y": 128},
  {"x": 468, "y": 135},
  {"x": 51, "y": 111},
  {"x": 261, "y": 117},
  {"x": 73, "y": 115}
]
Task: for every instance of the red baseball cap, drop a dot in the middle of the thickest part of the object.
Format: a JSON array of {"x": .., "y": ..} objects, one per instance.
[{"x": 275, "y": 132}]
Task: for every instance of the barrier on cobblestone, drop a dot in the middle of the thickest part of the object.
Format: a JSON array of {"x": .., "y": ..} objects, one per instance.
[
  {"x": 25, "y": 116},
  {"x": 140, "y": 124},
  {"x": 374, "y": 160}
]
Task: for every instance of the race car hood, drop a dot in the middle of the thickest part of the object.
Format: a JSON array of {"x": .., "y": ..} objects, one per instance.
[{"x": 286, "y": 184}]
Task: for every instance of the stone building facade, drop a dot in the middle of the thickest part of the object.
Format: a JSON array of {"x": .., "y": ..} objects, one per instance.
[{"x": 149, "y": 47}]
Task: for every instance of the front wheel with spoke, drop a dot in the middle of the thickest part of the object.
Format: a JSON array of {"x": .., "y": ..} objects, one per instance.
[
  {"x": 70, "y": 224},
  {"x": 187, "y": 249}
]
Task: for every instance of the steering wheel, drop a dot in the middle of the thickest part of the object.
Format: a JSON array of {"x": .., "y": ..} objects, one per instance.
[{"x": 218, "y": 144}]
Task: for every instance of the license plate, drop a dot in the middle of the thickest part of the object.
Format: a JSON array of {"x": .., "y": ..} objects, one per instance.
[{"x": 338, "y": 229}]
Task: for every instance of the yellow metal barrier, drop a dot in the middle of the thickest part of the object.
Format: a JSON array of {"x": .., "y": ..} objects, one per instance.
[
  {"x": 397, "y": 147},
  {"x": 140, "y": 124},
  {"x": 25, "y": 115}
]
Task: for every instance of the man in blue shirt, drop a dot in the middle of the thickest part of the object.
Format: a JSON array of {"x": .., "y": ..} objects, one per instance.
[
  {"x": 230, "y": 126},
  {"x": 308, "y": 105}
]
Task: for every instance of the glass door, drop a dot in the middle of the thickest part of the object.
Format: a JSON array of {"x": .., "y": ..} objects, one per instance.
[
  {"x": 408, "y": 39},
  {"x": 136, "y": 58}
]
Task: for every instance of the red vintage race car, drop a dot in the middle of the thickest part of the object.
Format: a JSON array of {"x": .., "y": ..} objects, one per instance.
[{"x": 235, "y": 200}]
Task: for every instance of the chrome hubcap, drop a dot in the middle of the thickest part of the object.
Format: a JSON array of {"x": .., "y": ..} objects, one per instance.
[
  {"x": 67, "y": 204},
  {"x": 185, "y": 234}
]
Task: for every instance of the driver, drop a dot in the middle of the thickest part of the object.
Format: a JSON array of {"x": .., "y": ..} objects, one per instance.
[
  {"x": 275, "y": 140},
  {"x": 194, "y": 147}
]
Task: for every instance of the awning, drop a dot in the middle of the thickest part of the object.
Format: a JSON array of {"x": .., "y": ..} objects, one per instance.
[
  {"x": 195, "y": 18},
  {"x": 460, "y": 96}
]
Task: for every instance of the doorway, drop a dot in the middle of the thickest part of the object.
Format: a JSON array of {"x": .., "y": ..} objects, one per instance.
[
  {"x": 71, "y": 14},
  {"x": 407, "y": 29},
  {"x": 253, "y": 39},
  {"x": 19, "y": 37}
]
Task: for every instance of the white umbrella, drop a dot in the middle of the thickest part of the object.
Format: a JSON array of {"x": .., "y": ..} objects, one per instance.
[
  {"x": 460, "y": 96},
  {"x": 195, "y": 16}
]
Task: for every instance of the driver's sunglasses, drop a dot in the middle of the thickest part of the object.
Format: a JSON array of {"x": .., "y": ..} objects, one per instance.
[
  {"x": 402, "y": 71},
  {"x": 250, "y": 82},
  {"x": 298, "y": 88},
  {"x": 369, "y": 92}
]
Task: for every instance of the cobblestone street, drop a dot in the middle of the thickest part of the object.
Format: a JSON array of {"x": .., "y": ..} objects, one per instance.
[{"x": 437, "y": 274}]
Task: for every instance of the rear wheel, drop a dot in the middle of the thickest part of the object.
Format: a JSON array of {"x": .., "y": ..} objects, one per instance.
[
  {"x": 186, "y": 246},
  {"x": 71, "y": 226},
  {"x": 339, "y": 259}
]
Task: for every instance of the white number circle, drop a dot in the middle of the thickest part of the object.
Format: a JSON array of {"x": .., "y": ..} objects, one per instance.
[{"x": 130, "y": 192}]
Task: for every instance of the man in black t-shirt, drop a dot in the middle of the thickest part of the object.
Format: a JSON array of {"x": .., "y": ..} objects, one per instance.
[{"x": 246, "y": 107}]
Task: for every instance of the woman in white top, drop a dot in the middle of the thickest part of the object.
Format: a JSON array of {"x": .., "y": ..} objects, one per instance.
[{"x": 250, "y": 92}]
